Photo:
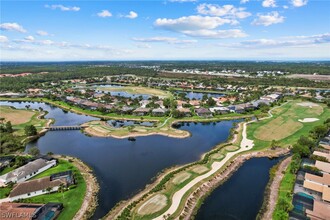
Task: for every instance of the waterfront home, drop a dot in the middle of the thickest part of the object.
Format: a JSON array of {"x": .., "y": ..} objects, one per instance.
[
  {"x": 181, "y": 103},
  {"x": 236, "y": 108},
  {"x": 317, "y": 189},
  {"x": 160, "y": 103},
  {"x": 30, "y": 211},
  {"x": 323, "y": 166},
  {"x": 220, "y": 110},
  {"x": 195, "y": 103},
  {"x": 27, "y": 171},
  {"x": 5, "y": 161},
  {"x": 41, "y": 186},
  {"x": 141, "y": 111},
  {"x": 89, "y": 104},
  {"x": 159, "y": 112},
  {"x": 126, "y": 110},
  {"x": 322, "y": 154},
  {"x": 185, "y": 112},
  {"x": 144, "y": 103},
  {"x": 259, "y": 102},
  {"x": 272, "y": 97},
  {"x": 320, "y": 210},
  {"x": 203, "y": 112}
]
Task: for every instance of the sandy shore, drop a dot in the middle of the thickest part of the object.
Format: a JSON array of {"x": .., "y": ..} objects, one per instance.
[
  {"x": 274, "y": 188},
  {"x": 90, "y": 131},
  {"x": 92, "y": 188}
]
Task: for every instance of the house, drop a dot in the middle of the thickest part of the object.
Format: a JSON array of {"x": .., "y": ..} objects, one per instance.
[
  {"x": 323, "y": 166},
  {"x": 236, "y": 108},
  {"x": 320, "y": 210},
  {"x": 220, "y": 110},
  {"x": 41, "y": 186},
  {"x": 27, "y": 171},
  {"x": 257, "y": 103},
  {"x": 126, "y": 110},
  {"x": 141, "y": 111},
  {"x": 322, "y": 154},
  {"x": 181, "y": 103},
  {"x": 185, "y": 112},
  {"x": 160, "y": 103},
  {"x": 89, "y": 104},
  {"x": 203, "y": 112},
  {"x": 30, "y": 211},
  {"x": 144, "y": 103},
  {"x": 159, "y": 112},
  {"x": 195, "y": 103}
]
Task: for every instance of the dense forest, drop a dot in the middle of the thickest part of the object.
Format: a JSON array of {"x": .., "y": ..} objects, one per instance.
[
  {"x": 83, "y": 70},
  {"x": 320, "y": 67}
]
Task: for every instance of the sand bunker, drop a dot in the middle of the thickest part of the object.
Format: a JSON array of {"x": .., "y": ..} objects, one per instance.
[
  {"x": 181, "y": 177},
  {"x": 308, "y": 120},
  {"x": 154, "y": 204},
  {"x": 307, "y": 104}
]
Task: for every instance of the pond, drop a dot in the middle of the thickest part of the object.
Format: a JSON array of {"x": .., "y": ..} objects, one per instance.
[
  {"x": 242, "y": 195},
  {"x": 199, "y": 95}
]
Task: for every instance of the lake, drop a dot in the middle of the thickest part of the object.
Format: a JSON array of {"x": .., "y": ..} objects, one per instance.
[{"x": 123, "y": 167}]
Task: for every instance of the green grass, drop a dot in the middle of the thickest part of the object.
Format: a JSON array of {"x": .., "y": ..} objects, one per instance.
[
  {"x": 6, "y": 170},
  {"x": 71, "y": 199},
  {"x": 62, "y": 165},
  {"x": 289, "y": 110},
  {"x": 285, "y": 195},
  {"x": 4, "y": 192}
]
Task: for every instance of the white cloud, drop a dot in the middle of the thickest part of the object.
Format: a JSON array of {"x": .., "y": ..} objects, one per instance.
[
  {"x": 169, "y": 40},
  {"x": 195, "y": 22},
  {"x": 220, "y": 34},
  {"x": 63, "y": 8},
  {"x": 3, "y": 39},
  {"x": 143, "y": 45},
  {"x": 12, "y": 27},
  {"x": 227, "y": 11},
  {"x": 199, "y": 26},
  {"x": 132, "y": 15},
  {"x": 181, "y": 1},
  {"x": 295, "y": 41},
  {"x": 244, "y": 1},
  {"x": 29, "y": 38},
  {"x": 268, "y": 19},
  {"x": 42, "y": 33},
  {"x": 299, "y": 3},
  {"x": 285, "y": 6},
  {"x": 104, "y": 14},
  {"x": 269, "y": 3}
]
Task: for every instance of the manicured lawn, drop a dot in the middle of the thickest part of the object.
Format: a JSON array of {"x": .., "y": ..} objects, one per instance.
[
  {"x": 4, "y": 192},
  {"x": 284, "y": 125},
  {"x": 62, "y": 165},
  {"x": 21, "y": 118},
  {"x": 71, "y": 199},
  {"x": 6, "y": 170}
]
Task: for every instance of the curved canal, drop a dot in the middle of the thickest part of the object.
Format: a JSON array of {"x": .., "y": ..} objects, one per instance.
[{"x": 241, "y": 196}]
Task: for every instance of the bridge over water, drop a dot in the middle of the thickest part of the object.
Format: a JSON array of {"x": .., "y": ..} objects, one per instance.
[{"x": 70, "y": 127}]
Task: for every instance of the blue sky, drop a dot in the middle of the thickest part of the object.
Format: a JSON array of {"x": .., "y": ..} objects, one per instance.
[{"x": 167, "y": 29}]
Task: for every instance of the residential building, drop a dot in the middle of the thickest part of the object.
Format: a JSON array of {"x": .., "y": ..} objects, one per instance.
[
  {"x": 41, "y": 186},
  {"x": 141, "y": 111},
  {"x": 203, "y": 112},
  {"x": 27, "y": 171}
]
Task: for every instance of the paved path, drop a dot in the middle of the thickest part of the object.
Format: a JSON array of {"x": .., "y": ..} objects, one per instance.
[{"x": 246, "y": 144}]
